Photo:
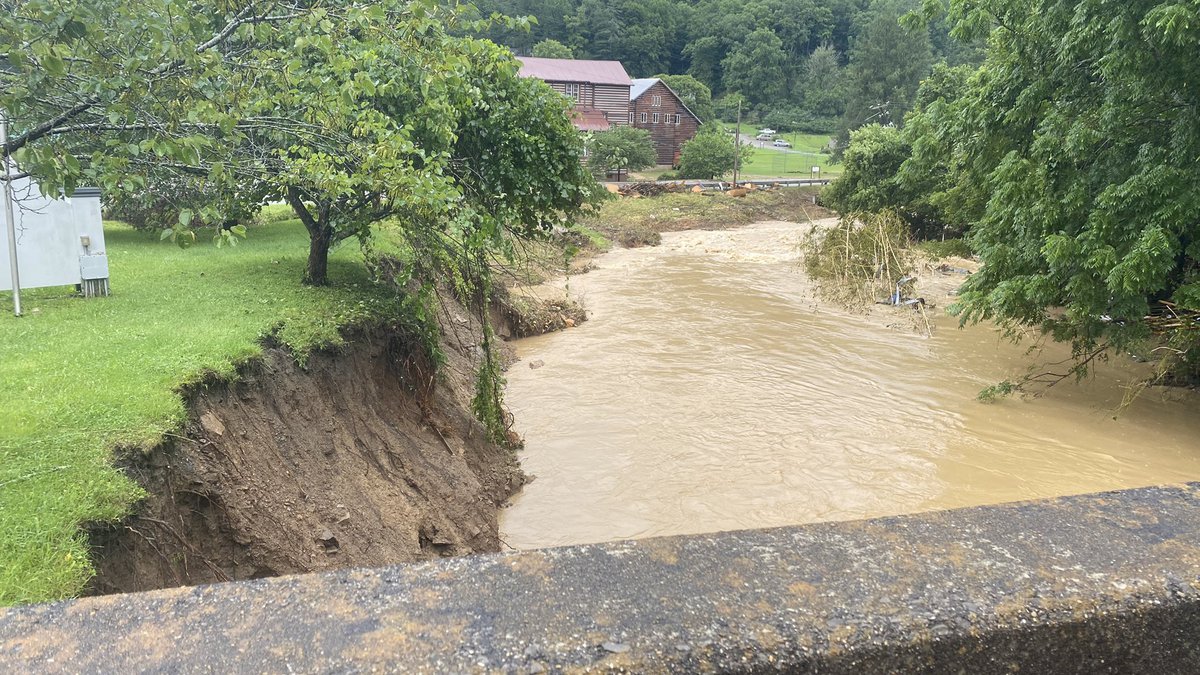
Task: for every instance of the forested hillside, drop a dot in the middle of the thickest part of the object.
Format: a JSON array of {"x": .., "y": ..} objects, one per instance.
[{"x": 805, "y": 65}]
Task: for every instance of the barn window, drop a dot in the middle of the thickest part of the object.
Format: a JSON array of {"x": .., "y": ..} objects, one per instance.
[
  {"x": 643, "y": 118},
  {"x": 656, "y": 118},
  {"x": 572, "y": 90},
  {"x": 656, "y": 101},
  {"x": 631, "y": 117}
]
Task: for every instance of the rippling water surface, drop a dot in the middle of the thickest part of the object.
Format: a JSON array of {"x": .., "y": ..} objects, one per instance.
[{"x": 710, "y": 391}]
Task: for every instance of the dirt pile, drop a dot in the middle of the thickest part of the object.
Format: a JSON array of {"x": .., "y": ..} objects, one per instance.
[
  {"x": 357, "y": 459},
  {"x": 518, "y": 314}
]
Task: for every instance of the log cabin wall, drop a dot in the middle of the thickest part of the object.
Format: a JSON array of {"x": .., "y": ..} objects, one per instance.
[
  {"x": 611, "y": 99},
  {"x": 670, "y": 123}
]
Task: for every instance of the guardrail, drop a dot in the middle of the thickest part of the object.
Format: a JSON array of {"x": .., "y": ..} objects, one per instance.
[
  {"x": 1099, "y": 583},
  {"x": 726, "y": 185}
]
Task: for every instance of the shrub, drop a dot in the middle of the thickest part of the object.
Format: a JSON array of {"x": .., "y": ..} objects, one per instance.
[
  {"x": 709, "y": 155},
  {"x": 275, "y": 213},
  {"x": 622, "y": 148}
]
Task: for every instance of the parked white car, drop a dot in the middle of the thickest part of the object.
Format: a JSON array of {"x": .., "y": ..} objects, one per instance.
[{"x": 780, "y": 143}]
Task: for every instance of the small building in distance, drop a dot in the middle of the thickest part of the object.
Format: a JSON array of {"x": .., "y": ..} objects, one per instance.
[
  {"x": 653, "y": 106},
  {"x": 600, "y": 88},
  {"x": 605, "y": 97}
]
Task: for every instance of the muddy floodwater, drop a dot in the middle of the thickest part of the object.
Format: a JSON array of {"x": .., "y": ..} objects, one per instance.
[{"x": 711, "y": 391}]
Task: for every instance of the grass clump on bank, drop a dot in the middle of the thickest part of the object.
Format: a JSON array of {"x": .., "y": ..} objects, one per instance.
[{"x": 81, "y": 377}]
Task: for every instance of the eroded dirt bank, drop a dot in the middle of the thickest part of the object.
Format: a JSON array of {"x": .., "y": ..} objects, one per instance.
[{"x": 358, "y": 459}]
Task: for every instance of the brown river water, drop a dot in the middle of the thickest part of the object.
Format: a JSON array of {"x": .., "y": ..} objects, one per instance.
[{"x": 711, "y": 391}]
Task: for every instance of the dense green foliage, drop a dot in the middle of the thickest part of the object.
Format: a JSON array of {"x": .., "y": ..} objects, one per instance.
[
  {"x": 887, "y": 63},
  {"x": 709, "y": 155},
  {"x": 1070, "y": 155},
  {"x": 79, "y": 378},
  {"x": 621, "y": 148},
  {"x": 350, "y": 113},
  {"x": 159, "y": 203},
  {"x": 1086, "y": 130},
  {"x": 552, "y": 49},
  {"x": 869, "y": 166},
  {"x": 805, "y": 60}
]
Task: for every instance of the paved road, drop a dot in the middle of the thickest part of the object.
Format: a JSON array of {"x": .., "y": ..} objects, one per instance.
[{"x": 749, "y": 140}]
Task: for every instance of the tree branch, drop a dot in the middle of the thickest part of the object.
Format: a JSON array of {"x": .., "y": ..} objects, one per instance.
[{"x": 244, "y": 17}]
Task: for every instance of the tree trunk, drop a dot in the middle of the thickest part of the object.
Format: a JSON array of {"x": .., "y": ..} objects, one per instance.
[
  {"x": 320, "y": 236},
  {"x": 316, "y": 273}
]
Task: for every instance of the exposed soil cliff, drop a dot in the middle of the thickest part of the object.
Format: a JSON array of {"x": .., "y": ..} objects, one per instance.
[{"x": 360, "y": 458}]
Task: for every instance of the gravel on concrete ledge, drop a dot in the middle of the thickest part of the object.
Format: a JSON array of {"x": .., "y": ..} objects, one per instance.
[{"x": 1101, "y": 583}]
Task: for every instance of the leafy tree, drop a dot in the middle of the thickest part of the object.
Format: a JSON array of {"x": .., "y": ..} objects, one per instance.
[
  {"x": 351, "y": 114},
  {"x": 161, "y": 202},
  {"x": 824, "y": 83},
  {"x": 757, "y": 68},
  {"x": 710, "y": 154},
  {"x": 941, "y": 194},
  {"x": 621, "y": 148},
  {"x": 1082, "y": 128},
  {"x": 887, "y": 64},
  {"x": 800, "y": 24},
  {"x": 868, "y": 183},
  {"x": 522, "y": 36},
  {"x": 645, "y": 35},
  {"x": 727, "y": 107},
  {"x": 552, "y": 49},
  {"x": 913, "y": 171},
  {"x": 705, "y": 55},
  {"x": 695, "y": 94}
]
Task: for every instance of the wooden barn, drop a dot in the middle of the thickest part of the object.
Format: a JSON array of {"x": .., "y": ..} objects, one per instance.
[
  {"x": 655, "y": 107},
  {"x": 600, "y": 88}
]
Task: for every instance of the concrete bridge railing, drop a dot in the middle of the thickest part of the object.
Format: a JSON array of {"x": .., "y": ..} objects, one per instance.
[{"x": 1106, "y": 583}]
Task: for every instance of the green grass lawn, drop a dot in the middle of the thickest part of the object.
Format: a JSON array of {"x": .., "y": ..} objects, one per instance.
[
  {"x": 79, "y": 377},
  {"x": 768, "y": 163},
  {"x": 771, "y": 163}
]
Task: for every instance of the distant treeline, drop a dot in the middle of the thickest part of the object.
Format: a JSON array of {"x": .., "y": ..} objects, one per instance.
[{"x": 804, "y": 65}]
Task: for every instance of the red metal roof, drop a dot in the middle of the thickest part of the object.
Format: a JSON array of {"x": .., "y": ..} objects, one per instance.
[
  {"x": 590, "y": 120},
  {"x": 574, "y": 70}
]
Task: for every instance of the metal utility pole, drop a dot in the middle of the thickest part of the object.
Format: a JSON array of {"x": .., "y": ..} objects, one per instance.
[
  {"x": 9, "y": 222},
  {"x": 737, "y": 142}
]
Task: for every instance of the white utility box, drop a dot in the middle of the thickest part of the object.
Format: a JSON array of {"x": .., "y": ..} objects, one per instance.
[{"x": 60, "y": 242}]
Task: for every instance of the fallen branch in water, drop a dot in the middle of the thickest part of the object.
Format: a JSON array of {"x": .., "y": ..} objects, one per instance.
[{"x": 1037, "y": 384}]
